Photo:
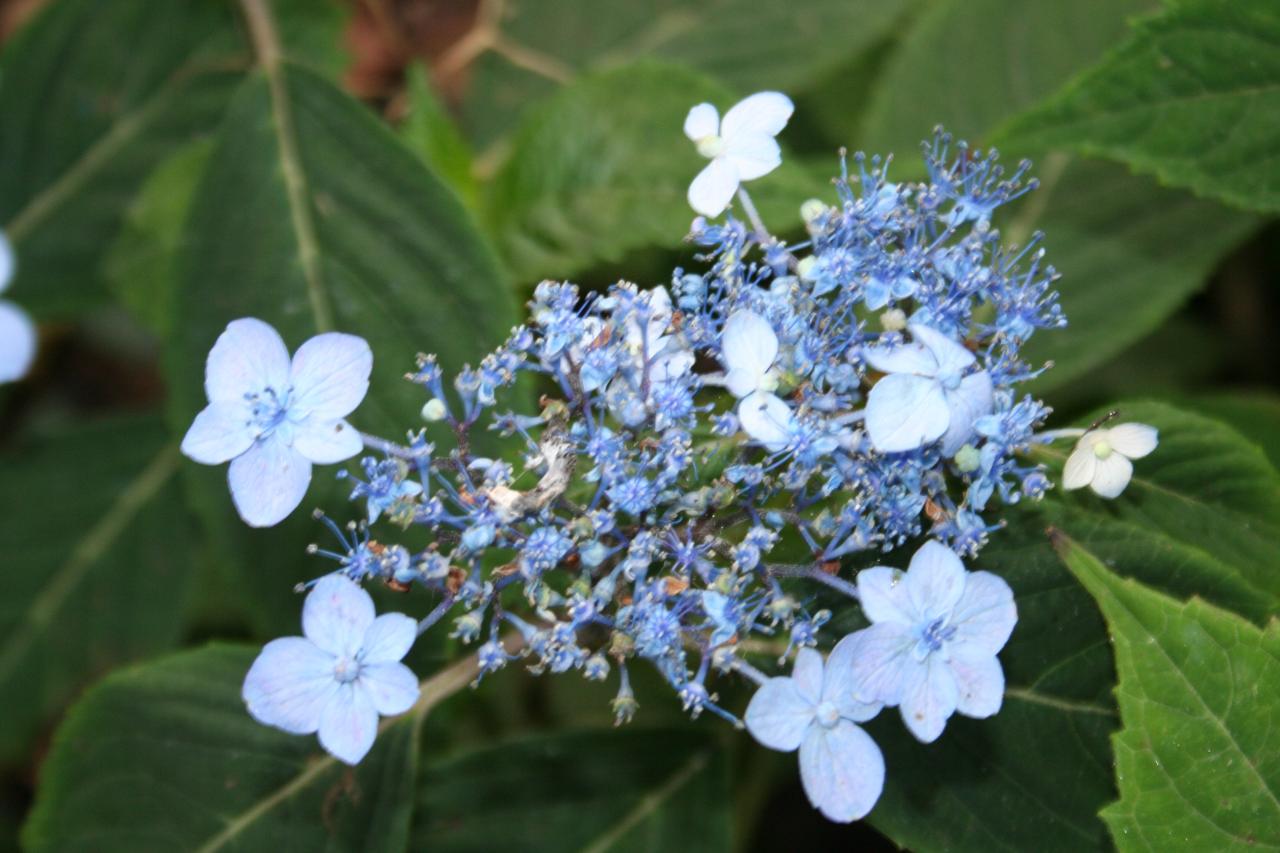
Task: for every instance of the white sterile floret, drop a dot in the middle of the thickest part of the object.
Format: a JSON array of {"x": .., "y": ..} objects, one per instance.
[
  {"x": 1101, "y": 458},
  {"x": 749, "y": 347},
  {"x": 17, "y": 332},
  {"x": 741, "y": 147}
]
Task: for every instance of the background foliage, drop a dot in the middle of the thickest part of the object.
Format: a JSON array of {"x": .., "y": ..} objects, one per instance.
[{"x": 407, "y": 170}]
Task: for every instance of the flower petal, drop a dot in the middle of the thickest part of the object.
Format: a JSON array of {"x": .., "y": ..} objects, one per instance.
[
  {"x": 884, "y": 597},
  {"x": 221, "y": 432},
  {"x": 1111, "y": 475},
  {"x": 767, "y": 419},
  {"x": 778, "y": 715},
  {"x": 268, "y": 481},
  {"x": 337, "y": 614},
  {"x": 761, "y": 114},
  {"x": 929, "y": 698},
  {"x": 753, "y": 156},
  {"x": 1133, "y": 440},
  {"x": 952, "y": 356},
  {"x": 713, "y": 188},
  {"x": 748, "y": 344},
  {"x": 17, "y": 342},
  {"x": 701, "y": 122},
  {"x": 807, "y": 673},
  {"x": 8, "y": 263},
  {"x": 979, "y": 681},
  {"x": 973, "y": 399},
  {"x": 391, "y": 687},
  {"x": 330, "y": 375},
  {"x": 839, "y": 685},
  {"x": 879, "y": 659},
  {"x": 935, "y": 580},
  {"x": 389, "y": 638},
  {"x": 349, "y": 724},
  {"x": 907, "y": 358},
  {"x": 842, "y": 771},
  {"x": 1080, "y": 468},
  {"x": 906, "y": 412},
  {"x": 289, "y": 685},
  {"x": 248, "y": 357},
  {"x": 326, "y": 442},
  {"x": 985, "y": 614}
]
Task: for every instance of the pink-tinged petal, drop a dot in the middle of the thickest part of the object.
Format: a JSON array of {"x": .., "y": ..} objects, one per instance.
[
  {"x": 839, "y": 685},
  {"x": 973, "y": 399},
  {"x": 753, "y": 156},
  {"x": 18, "y": 339},
  {"x": 767, "y": 419},
  {"x": 906, "y": 412},
  {"x": 8, "y": 263},
  {"x": 1080, "y": 468},
  {"x": 748, "y": 344},
  {"x": 1133, "y": 440},
  {"x": 884, "y": 597},
  {"x": 778, "y": 715},
  {"x": 907, "y": 358},
  {"x": 713, "y": 188},
  {"x": 701, "y": 122},
  {"x": 1111, "y": 475},
  {"x": 807, "y": 673},
  {"x": 879, "y": 657},
  {"x": 337, "y": 614},
  {"x": 985, "y": 614},
  {"x": 326, "y": 442},
  {"x": 929, "y": 698},
  {"x": 935, "y": 580},
  {"x": 289, "y": 685},
  {"x": 247, "y": 358},
  {"x": 761, "y": 114},
  {"x": 349, "y": 724},
  {"x": 330, "y": 376},
  {"x": 268, "y": 481},
  {"x": 952, "y": 356},
  {"x": 220, "y": 433},
  {"x": 979, "y": 681},
  {"x": 389, "y": 638},
  {"x": 391, "y": 687},
  {"x": 842, "y": 771}
]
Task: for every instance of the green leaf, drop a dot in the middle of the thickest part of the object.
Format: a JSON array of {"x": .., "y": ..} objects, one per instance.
[
  {"x": 1190, "y": 97},
  {"x": 590, "y": 791},
  {"x": 1256, "y": 415},
  {"x": 746, "y": 45},
  {"x": 618, "y": 181},
  {"x": 95, "y": 537},
  {"x": 430, "y": 132},
  {"x": 164, "y": 757},
  {"x": 1198, "y": 758}
]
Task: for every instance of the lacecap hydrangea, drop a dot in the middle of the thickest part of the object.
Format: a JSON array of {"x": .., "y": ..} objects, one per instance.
[{"x": 706, "y": 460}]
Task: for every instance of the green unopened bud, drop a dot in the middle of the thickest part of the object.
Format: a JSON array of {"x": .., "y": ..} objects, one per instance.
[
  {"x": 893, "y": 320},
  {"x": 812, "y": 209},
  {"x": 434, "y": 410},
  {"x": 804, "y": 268},
  {"x": 968, "y": 458}
]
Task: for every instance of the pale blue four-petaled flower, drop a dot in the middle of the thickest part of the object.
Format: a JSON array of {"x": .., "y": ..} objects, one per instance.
[
  {"x": 749, "y": 348},
  {"x": 341, "y": 676},
  {"x": 741, "y": 147},
  {"x": 926, "y": 395},
  {"x": 815, "y": 711},
  {"x": 17, "y": 332},
  {"x": 931, "y": 648},
  {"x": 272, "y": 417}
]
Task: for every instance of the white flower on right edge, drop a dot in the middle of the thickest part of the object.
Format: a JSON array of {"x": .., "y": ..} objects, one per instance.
[
  {"x": 17, "y": 332},
  {"x": 741, "y": 147},
  {"x": 1101, "y": 459}
]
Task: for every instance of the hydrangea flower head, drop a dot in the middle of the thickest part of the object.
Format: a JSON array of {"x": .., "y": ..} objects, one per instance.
[
  {"x": 815, "y": 710},
  {"x": 341, "y": 676},
  {"x": 1101, "y": 458},
  {"x": 926, "y": 394},
  {"x": 931, "y": 648},
  {"x": 17, "y": 332},
  {"x": 272, "y": 418},
  {"x": 741, "y": 147}
]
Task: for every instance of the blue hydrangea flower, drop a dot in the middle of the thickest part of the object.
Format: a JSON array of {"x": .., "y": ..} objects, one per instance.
[
  {"x": 17, "y": 332},
  {"x": 926, "y": 394},
  {"x": 272, "y": 418},
  {"x": 816, "y": 712},
  {"x": 741, "y": 147},
  {"x": 750, "y": 346},
  {"x": 931, "y": 648},
  {"x": 341, "y": 676}
]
